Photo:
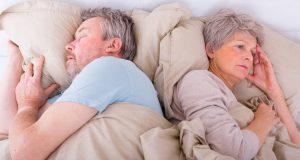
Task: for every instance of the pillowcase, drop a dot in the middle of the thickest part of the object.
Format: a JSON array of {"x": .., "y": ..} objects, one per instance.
[
  {"x": 43, "y": 27},
  {"x": 181, "y": 51},
  {"x": 150, "y": 28}
]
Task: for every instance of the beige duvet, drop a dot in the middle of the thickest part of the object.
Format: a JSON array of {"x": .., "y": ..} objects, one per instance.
[{"x": 127, "y": 131}]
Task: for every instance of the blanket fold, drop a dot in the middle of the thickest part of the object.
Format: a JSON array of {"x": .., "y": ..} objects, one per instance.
[
  {"x": 113, "y": 134},
  {"x": 183, "y": 141}
]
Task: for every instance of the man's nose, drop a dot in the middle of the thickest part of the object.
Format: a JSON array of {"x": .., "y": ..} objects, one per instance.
[{"x": 70, "y": 47}]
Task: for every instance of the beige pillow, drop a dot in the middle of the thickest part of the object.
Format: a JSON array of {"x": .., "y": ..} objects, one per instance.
[
  {"x": 181, "y": 50},
  {"x": 43, "y": 27},
  {"x": 150, "y": 28}
]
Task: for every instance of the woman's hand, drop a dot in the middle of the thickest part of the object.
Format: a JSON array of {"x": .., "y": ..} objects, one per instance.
[
  {"x": 264, "y": 119},
  {"x": 29, "y": 91},
  {"x": 265, "y": 114},
  {"x": 263, "y": 74}
]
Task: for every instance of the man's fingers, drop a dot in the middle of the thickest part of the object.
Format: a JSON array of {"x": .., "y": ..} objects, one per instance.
[
  {"x": 38, "y": 72},
  {"x": 29, "y": 70},
  {"x": 11, "y": 43},
  {"x": 52, "y": 88},
  {"x": 22, "y": 76}
]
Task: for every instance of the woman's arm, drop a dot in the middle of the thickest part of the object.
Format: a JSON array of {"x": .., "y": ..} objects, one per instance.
[
  {"x": 286, "y": 116},
  {"x": 199, "y": 96},
  {"x": 264, "y": 77},
  {"x": 11, "y": 77}
]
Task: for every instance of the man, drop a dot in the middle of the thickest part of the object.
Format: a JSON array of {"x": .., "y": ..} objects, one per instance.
[{"x": 102, "y": 76}]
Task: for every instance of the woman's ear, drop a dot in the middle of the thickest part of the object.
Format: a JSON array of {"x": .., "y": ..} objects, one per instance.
[
  {"x": 114, "y": 46},
  {"x": 210, "y": 53}
]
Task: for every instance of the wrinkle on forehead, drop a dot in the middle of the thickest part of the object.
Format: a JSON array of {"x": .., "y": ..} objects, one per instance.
[
  {"x": 244, "y": 37},
  {"x": 88, "y": 24}
]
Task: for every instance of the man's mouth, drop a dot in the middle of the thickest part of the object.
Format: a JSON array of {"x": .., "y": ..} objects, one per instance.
[{"x": 70, "y": 62}]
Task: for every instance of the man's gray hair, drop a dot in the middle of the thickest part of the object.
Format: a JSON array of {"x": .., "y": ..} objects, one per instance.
[
  {"x": 116, "y": 24},
  {"x": 222, "y": 26}
]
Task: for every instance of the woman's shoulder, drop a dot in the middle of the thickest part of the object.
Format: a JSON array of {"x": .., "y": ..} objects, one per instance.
[
  {"x": 206, "y": 83},
  {"x": 203, "y": 77}
]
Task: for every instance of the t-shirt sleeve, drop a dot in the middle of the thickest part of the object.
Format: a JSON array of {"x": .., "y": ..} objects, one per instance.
[
  {"x": 200, "y": 96},
  {"x": 53, "y": 99},
  {"x": 99, "y": 84}
]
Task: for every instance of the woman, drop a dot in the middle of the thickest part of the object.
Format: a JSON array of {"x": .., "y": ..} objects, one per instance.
[{"x": 233, "y": 48}]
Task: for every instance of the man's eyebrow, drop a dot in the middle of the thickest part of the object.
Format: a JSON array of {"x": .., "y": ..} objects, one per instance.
[{"x": 80, "y": 30}]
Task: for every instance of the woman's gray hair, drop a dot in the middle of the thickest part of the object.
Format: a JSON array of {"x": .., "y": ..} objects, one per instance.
[
  {"x": 222, "y": 26},
  {"x": 116, "y": 24}
]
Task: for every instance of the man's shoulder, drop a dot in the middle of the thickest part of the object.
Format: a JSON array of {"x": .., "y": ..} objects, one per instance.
[
  {"x": 110, "y": 60},
  {"x": 109, "y": 64}
]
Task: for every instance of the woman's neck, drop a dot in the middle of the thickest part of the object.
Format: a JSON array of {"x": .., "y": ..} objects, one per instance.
[{"x": 230, "y": 83}]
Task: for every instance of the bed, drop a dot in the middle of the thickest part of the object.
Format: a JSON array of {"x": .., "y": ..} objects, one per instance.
[{"x": 163, "y": 22}]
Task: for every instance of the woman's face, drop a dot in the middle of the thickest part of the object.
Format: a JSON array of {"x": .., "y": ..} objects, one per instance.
[{"x": 235, "y": 57}]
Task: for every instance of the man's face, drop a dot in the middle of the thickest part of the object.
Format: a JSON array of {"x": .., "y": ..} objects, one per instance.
[{"x": 87, "y": 46}]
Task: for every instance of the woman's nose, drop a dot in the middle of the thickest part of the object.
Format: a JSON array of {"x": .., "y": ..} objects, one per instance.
[{"x": 248, "y": 56}]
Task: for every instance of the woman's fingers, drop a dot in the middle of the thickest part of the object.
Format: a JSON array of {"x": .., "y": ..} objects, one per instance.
[
  {"x": 251, "y": 78},
  {"x": 276, "y": 120},
  {"x": 262, "y": 56},
  {"x": 268, "y": 112}
]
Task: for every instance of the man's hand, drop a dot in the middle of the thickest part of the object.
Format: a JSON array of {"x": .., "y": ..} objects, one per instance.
[{"x": 29, "y": 91}]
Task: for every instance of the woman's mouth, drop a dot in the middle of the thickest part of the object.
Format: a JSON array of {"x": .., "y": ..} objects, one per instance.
[{"x": 243, "y": 66}]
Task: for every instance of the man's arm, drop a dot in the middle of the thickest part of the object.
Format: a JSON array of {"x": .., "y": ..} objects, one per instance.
[
  {"x": 37, "y": 139},
  {"x": 8, "y": 103},
  {"x": 33, "y": 138}
]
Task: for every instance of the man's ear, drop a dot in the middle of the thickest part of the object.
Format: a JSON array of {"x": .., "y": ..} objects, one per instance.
[
  {"x": 210, "y": 53},
  {"x": 114, "y": 46}
]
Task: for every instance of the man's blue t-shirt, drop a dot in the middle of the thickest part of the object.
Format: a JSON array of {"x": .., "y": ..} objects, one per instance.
[{"x": 107, "y": 80}]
